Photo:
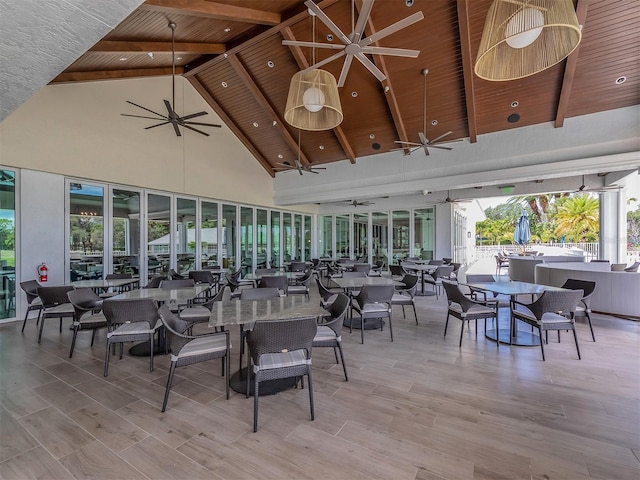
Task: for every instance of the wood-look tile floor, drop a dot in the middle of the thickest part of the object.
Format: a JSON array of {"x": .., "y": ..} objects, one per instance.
[{"x": 416, "y": 408}]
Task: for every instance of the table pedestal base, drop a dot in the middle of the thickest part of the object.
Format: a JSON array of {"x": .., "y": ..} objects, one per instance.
[
  {"x": 238, "y": 383},
  {"x": 426, "y": 293},
  {"x": 142, "y": 349},
  {"x": 522, "y": 339}
]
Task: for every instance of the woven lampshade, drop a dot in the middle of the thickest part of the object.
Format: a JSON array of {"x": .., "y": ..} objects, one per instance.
[
  {"x": 313, "y": 102},
  {"x": 523, "y": 37}
]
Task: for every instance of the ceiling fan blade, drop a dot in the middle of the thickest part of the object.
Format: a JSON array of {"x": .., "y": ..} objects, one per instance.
[
  {"x": 325, "y": 61},
  {"x": 176, "y": 128},
  {"x": 157, "y": 125},
  {"x": 327, "y": 21},
  {"x": 397, "y": 52},
  {"x": 369, "y": 65},
  {"x": 195, "y": 130},
  {"x": 423, "y": 138},
  {"x": 441, "y": 136},
  {"x": 141, "y": 116},
  {"x": 431, "y": 145},
  {"x": 200, "y": 123},
  {"x": 399, "y": 25},
  {"x": 296, "y": 43},
  {"x": 317, "y": 168},
  {"x": 407, "y": 143},
  {"x": 426, "y": 150},
  {"x": 144, "y": 108},
  {"x": 363, "y": 16},
  {"x": 345, "y": 70},
  {"x": 313, "y": 171},
  {"x": 194, "y": 115},
  {"x": 172, "y": 112}
]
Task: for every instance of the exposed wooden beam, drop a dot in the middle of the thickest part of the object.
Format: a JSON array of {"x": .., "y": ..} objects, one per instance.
[
  {"x": 244, "y": 75},
  {"x": 297, "y": 14},
  {"x": 68, "y": 77},
  {"x": 219, "y": 11},
  {"x": 570, "y": 69},
  {"x": 232, "y": 126},
  {"x": 467, "y": 68},
  {"x": 144, "y": 47},
  {"x": 302, "y": 62},
  {"x": 388, "y": 93}
]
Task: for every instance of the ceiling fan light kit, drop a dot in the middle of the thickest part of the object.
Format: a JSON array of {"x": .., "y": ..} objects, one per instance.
[
  {"x": 313, "y": 102},
  {"x": 524, "y": 37}
]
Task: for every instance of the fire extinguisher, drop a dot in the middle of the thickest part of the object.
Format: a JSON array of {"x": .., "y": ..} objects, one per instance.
[{"x": 43, "y": 272}]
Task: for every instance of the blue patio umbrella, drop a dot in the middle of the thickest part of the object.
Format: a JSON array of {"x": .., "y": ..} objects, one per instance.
[{"x": 522, "y": 233}]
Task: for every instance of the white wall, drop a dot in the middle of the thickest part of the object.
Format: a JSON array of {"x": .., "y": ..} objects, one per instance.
[{"x": 77, "y": 130}]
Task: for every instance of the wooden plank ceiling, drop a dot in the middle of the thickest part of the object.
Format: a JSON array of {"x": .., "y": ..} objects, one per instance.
[{"x": 231, "y": 51}]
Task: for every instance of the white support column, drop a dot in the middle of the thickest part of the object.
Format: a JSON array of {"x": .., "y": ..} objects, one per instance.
[
  {"x": 613, "y": 226},
  {"x": 444, "y": 231}
]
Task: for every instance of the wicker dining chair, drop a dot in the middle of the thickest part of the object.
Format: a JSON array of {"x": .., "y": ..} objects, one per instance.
[
  {"x": 188, "y": 349},
  {"x": 30, "y": 288},
  {"x": 55, "y": 304},
  {"x": 329, "y": 334},
  {"x": 404, "y": 295},
  {"x": 373, "y": 301},
  {"x": 278, "y": 350},
  {"x": 88, "y": 315}
]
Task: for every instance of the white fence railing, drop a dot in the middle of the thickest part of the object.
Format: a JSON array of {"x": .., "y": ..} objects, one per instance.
[{"x": 590, "y": 250}]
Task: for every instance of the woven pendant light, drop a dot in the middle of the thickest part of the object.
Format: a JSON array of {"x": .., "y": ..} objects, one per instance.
[
  {"x": 524, "y": 37},
  {"x": 313, "y": 102}
]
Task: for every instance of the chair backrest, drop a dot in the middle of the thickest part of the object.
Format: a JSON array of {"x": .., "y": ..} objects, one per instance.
[
  {"x": 375, "y": 294},
  {"x": 84, "y": 300},
  {"x": 281, "y": 335},
  {"x": 280, "y": 282},
  {"x": 174, "y": 329},
  {"x": 175, "y": 275},
  {"x": 564, "y": 301},
  {"x": 155, "y": 282},
  {"x": 52, "y": 296},
  {"x": 396, "y": 270},
  {"x": 456, "y": 266},
  {"x": 118, "y": 276},
  {"x": 436, "y": 262},
  {"x": 338, "y": 310},
  {"x": 298, "y": 266},
  {"x": 202, "y": 276},
  {"x": 216, "y": 298},
  {"x": 410, "y": 282},
  {"x": 265, "y": 271},
  {"x": 259, "y": 293},
  {"x": 443, "y": 271},
  {"x": 324, "y": 292},
  {"x": 454, "y": 294},
  {"x": 378, "y": 265},
  {"x": 618, "y": 267},
  {"x": 30, "y": 288},
  {"x": 131, "y": 310},
  {"x": 353, "y": 274},
  {"x": 182, "y": 283},
  {"x": 361, "y": 267},
  {"x": 633, "y": 267}
]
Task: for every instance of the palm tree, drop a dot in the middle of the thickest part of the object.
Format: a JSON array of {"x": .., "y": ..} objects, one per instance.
[{"x": 578, "y": 218}]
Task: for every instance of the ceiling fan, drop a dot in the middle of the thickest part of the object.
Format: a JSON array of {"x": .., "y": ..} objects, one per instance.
[
  {"x": 356, "y": 203},
  {"x": 172, "y": 117},
  {"x": 585, "y": 188},
  {"x": 286, "y": 166},
  {"x": 356, "y": 45},
  {"x": 425, "y": 143},
  {"x": 448, "y": 198}
]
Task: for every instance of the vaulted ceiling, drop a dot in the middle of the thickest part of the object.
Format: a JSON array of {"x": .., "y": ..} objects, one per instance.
[{"x": 231, "y": 51}]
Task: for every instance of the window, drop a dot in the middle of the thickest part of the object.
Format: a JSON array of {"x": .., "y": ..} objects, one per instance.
[
  {"x": 307, "y": 237},
  {"x": 400, "y": 231},
  {"x": 186, "y": 237},
  {"x": 360, "y": 237},
  {"x": 86, "y": 231},
  {"x": 423, "y": 221},
  {"x": 276, "y": 247},
  {"x": 297, "y": 237},
  {"x": 261, "y": 238},
  {"x": 158, "y": 234},
  {"x": 380, "y": 237},
  {"x": 229, "y": 236},
  {"x": 325, "y": 236},
  {"x": 288, "y": 235},
  {"x": 7, "y": 243},
  {"x": 246, "y": 239},
  {"x": 342, "y": 236},
  {"x": 209, "y": 233},
  {"x": 125, "y": 242}
]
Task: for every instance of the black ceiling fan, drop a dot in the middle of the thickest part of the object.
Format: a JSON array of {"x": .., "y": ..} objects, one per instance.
[
  {"x": 448, "y": 198},
  {"x": 298, "y": 166},
  {"x": 356, "y": 203},
  {"x": 172, "y": 117}
]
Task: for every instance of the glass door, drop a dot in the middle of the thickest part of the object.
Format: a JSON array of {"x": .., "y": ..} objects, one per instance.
[
  {"x": 342, "y": 236},
  {"x": 186, "y": 237},
  {"x": 86, "y": 231},
  {"x": 261, "y": 238},
  {"x": 325, "y": 236},
  {"x": 209, "y": 233},
  {"x": 380, "y": 237},
  {"x": 246, "y": 239},
  {"x": 400, "y": 229},
  {"x": 360, "y": 237},
  {"x": 423, "y": 231},
  {"x": 158, "y": 234},
  {"x": 7, "y": 243},
  {"x": 276, "y": 238},
  {"x": 229, "y": 237},
  {"x": 126, "y": 238}
]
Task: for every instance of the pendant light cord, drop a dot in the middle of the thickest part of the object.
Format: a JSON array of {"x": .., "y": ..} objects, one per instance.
[
  {"x": 173, "y": 66},
  {"x": 425, "y": 105}
]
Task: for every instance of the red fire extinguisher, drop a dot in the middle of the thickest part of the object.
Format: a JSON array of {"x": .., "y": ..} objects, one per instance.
[{"x": 43, "y": 272}]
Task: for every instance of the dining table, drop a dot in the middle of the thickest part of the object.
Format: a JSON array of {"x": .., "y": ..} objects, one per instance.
[
  {"x": 101, "y": 285},
  {"x": 245, "y": 313},
  {"x": 423, "y": 269},
  {"x": 511, "y": 334}
]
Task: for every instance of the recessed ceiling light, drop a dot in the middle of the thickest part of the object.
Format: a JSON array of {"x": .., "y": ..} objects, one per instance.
[
  {"x": 150, "y": 54},
  {"x": 375, "y": 146},
  {"x": 123, "y": 59},
  {"x": 255, "y": 124},
  {"x": 270, "y": 64},
  {"x": 321, "y": 147},
  {"x": 330, "y": 38},
  {"x": 280, "y": 156},
  {"x": 354, "y": 94},
  {"x": 434, "y": 122},
  {"x": 372, "y": 136},
  {"x": 514, "y": 104},
  {"x": 621, "y": 80},
  {"x": 227, "y": 30},
  {"x": 224, "y": 84},
  {"x": 386, "y": 88},
  {"x": 178, "y": 58},
  {"x": 274, "y": 123}
]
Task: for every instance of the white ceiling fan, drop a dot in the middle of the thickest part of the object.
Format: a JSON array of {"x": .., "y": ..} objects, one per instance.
[
  {"x": 586, "y": 189},
  {"x": 425, "y": 143},
  {"x": 355, "y": 45}
]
